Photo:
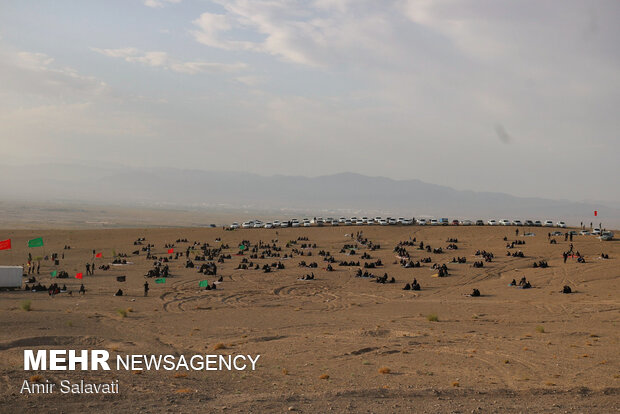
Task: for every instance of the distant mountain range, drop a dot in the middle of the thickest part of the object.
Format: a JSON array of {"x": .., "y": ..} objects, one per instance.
[{"x": 338, "y": 193}]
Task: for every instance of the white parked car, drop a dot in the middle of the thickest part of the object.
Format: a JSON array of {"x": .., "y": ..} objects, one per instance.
[
  {"x": 268, "y": 225},
  {"x": 258, "y": 224},
  {"x": 341, "y": 220},
  {"x": 517, "y": 223},
  {"x": 235, "y": 225},
  {"x": 504, "y": 222},
  {"x": 247, "y": 224},
  {"x": 466, "y": 223},
  {"x": 347, "y": 222},
  {"x": 284, "y": 224},
  {"x": 306, "y": 223},
  {"x": 434, "y": 222},
  {"x": 584, "y": 233},
  {"x": 276, "y": 223},
  {"x": 422, "y": 222},
  {"x": 383, "y": 222},
  {"x": 377, "y": 219},
  {"x": 294, "y": 222},
  {"x": 537, "y": 223},
  {"x": 407, "y": 222},
  {"x": 548, "y": 223},
  {"x": 392, "y": 221},
  {"x": 561, "y": 224},
  {"x": 492, "y": 222},
  {"x": 596, "y": 232}
]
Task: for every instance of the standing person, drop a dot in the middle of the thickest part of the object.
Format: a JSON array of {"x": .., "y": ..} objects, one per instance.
[
  {"x": 516, "y": 232},
  {"x": 565, "y": 255},
  {"x": 82, "y": 289},
  {"x": 87, "y": 269},
  {"x": 146, "y": 289},
  {"x": 570, "y": 236},
  {"x": 38, "y": 268},
  {"x": 92, "y": 268}
]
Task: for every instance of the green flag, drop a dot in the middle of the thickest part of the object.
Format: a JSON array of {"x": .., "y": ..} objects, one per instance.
[
  {"x": 38, "y": 242},
  {"x": 203, "y": 283},
  {"x": 242, "y": 247},
  {"x": 160, "y": 280},
  {"x": 54, "y": 273}
]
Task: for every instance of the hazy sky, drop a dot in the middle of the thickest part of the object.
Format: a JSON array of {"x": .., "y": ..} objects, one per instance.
[{"x": 521, "y": 97}]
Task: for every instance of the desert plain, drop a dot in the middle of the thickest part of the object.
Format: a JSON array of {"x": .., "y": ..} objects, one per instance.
[{"x": 336, "y": 343}]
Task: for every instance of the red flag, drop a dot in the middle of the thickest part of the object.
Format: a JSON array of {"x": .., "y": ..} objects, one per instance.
[
  {"x": 78, "y": 275},
  {"x": 170, "y": 251},
  {"x": 99, "y": 255},
  {"x": 595, "y": 213},
  {"x": 5, "y": 244}
]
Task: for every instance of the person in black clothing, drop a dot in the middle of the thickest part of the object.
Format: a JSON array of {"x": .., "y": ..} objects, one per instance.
[{"x": 146, "y": 288}]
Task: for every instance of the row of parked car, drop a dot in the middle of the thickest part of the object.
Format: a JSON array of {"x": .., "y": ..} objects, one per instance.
[{"x": 365, "y": 221}]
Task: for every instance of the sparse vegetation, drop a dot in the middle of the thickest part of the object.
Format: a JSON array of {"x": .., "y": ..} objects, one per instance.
[
  {"x": 284, "y": 371},
  {"x": 324, "y": 377},
  {"x": 36, "y": 378},
  {"x": 384, "y": 370},
  {"x": 456, "y": 384},
  {"x": 25, "y": 306},
  {"x": 183, "y": 391},
  {"x": 218, "y": 346},
  {"x": 180, "y": 375},
  {"x": 432, "y": 317},
  {"x": 122, "y": 313},
  {"x": 540, "y": 329}
]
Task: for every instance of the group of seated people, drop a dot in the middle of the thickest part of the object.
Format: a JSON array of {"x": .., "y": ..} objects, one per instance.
[
  {"x": 459, "y": 260},
  {"x": 407, "y": 264},
  {"x": 413, "y": 286},
  {"x": 442, "y": 269},
  {"x": 523, "y": 283},
  {"x": 488, "y": 256},
  {"x": 365, "y": 274},
  {"x": 541, "y": 263},
  {"x": 384, "y": 279},
  {"x": 514, "y": 243},
  {"x": 373, "y": 264}
]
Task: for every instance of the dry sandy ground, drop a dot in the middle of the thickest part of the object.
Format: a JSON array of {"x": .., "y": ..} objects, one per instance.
[{"x": 485, "y": 354}]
